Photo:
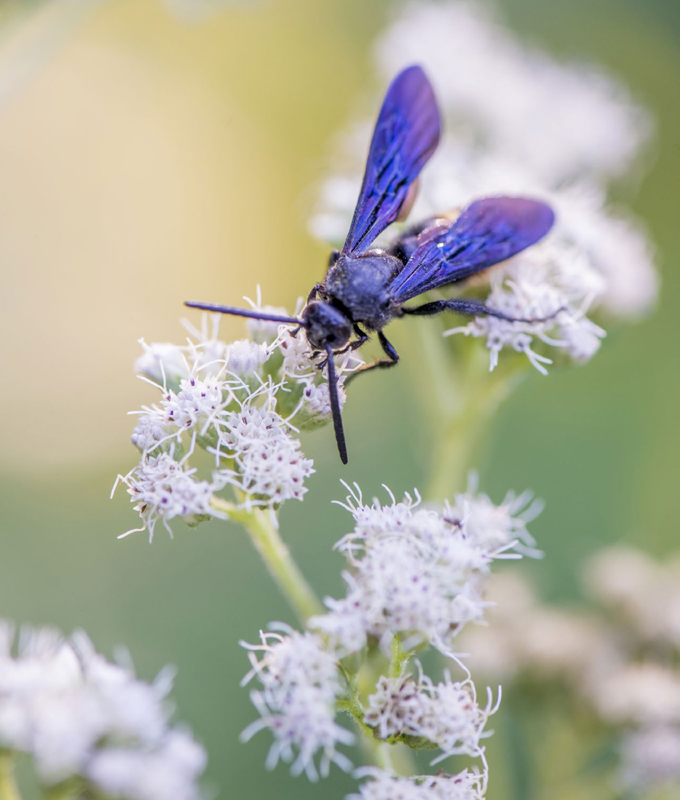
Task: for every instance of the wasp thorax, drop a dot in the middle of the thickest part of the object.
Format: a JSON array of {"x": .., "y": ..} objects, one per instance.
[{"x": 326, "y": 326}]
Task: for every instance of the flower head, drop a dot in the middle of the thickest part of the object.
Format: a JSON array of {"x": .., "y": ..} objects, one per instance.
[
  {"x": 497, "y": 527},
  {"x": 619, "y": 663},
  {"x": 650, "y": 760},
  {"x": 299, "y": 686},
  {"x": 197, "y": 405},
  {"x": 269, "y": 466},
  {"x": 244, "y": 402},
  {"x": 77, "y": 714},
  {"x": 583, "y": 122},
  {"x": 637, "y": 592},
  {"x": 162, "y": 363},
  {"x": 445, "y": 715},
  {"x": 465, "y": 785},
  {"x": 527, "y": 638},
  {"x": 414, "y": 570},
  {"x": 167, "y": 771},
  {"x": 162, "y": 489},
  {"x": 645, "y": 693}
]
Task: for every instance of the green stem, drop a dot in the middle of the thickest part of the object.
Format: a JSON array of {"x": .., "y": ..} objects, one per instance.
[
  {"x": 458, "y": 395},
  {"x": 396, "y": 759},
  {"x": 399, "y": 657},
  {"x": 8, "y": 785},
  {"x": 383, "y": 757},
  {"x": 374, "y": 750},
  {"x": 378, "y": 753},
  {"x": 354, "y": 708},
  {"x": 277, "y": 557},
  {"x": 467, "y": 421},
  {"x": 399, "y": 759}
]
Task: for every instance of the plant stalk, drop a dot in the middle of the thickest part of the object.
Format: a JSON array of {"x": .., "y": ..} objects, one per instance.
[
  {"x": 459, "y": 396},
  {"x": 277, "y": 558},
  {"x": 465, "y": 426}
]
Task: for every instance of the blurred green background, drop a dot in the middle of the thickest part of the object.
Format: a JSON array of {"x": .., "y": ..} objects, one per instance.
[{"x": 145, "y": 160}]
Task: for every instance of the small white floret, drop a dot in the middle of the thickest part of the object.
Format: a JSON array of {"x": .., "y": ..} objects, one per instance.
[
  {"x": 269, "y": 466},
  {"x": 162, "y": 489},
  {"x": 164, "y": 364}
]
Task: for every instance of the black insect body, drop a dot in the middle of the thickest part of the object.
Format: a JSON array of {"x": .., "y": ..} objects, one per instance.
[{"x": 364, "y": 289}]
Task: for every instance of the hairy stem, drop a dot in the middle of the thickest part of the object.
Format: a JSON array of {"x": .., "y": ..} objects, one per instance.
[
  {"x": 277, "y": 557},
  {"x": 354, "y": 708},
  {"x": 399, "y": 657},
  {"x": 8, "y": 785}
]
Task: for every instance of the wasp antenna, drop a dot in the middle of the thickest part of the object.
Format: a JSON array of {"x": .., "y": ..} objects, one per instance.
[
  {"x": 335, "y": 406},
  {"x": 243, "y": 312}
]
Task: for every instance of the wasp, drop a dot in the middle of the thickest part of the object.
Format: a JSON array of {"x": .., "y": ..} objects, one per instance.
[{"x": 367, "y": 287}]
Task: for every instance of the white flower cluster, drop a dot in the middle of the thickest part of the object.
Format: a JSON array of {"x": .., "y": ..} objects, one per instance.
[
  {"x": 621, "y": 662},
  {"x": 639, "y": 590},
  {"x": 526, "y": 637},
  {"x": 465, "y": 785},
  {"x": 446, "y": 714},
  {"x": 300, "y": 684},
  {"x": 512, "y": 99},
  {"x": 641, "y": 689},
  {"x": 517, "y": 122},
  {"x": 243, "y": 402},
  {"x": 414, "y": 581},
  {"x": 415, "y": 571},
  {"x": 82, "y": 717},
  {"x": 268, "y": 461},
  {"x": 651, "y": 758},
  {"x": 162, "y": 488}
]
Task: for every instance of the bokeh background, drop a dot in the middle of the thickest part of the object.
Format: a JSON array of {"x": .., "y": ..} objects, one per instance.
[{"x": 150, "y": 154}]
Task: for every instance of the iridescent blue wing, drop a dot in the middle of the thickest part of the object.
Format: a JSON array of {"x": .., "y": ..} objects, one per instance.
[
  {"x": 488, "y": 231},
  {"x": 405, "y": 136}
]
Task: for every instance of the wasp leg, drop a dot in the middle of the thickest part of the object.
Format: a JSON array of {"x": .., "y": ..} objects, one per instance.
[
  {"x": 362, "y": 338},
  {"x": 355, "y": 345},
  {"x": 313, "y": 294},
  {"x": 471, "y": 308},
  {"x": 381, "y": 363}
]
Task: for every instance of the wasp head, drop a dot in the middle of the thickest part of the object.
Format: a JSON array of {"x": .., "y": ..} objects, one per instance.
[{"x": 326, "y": 326}]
